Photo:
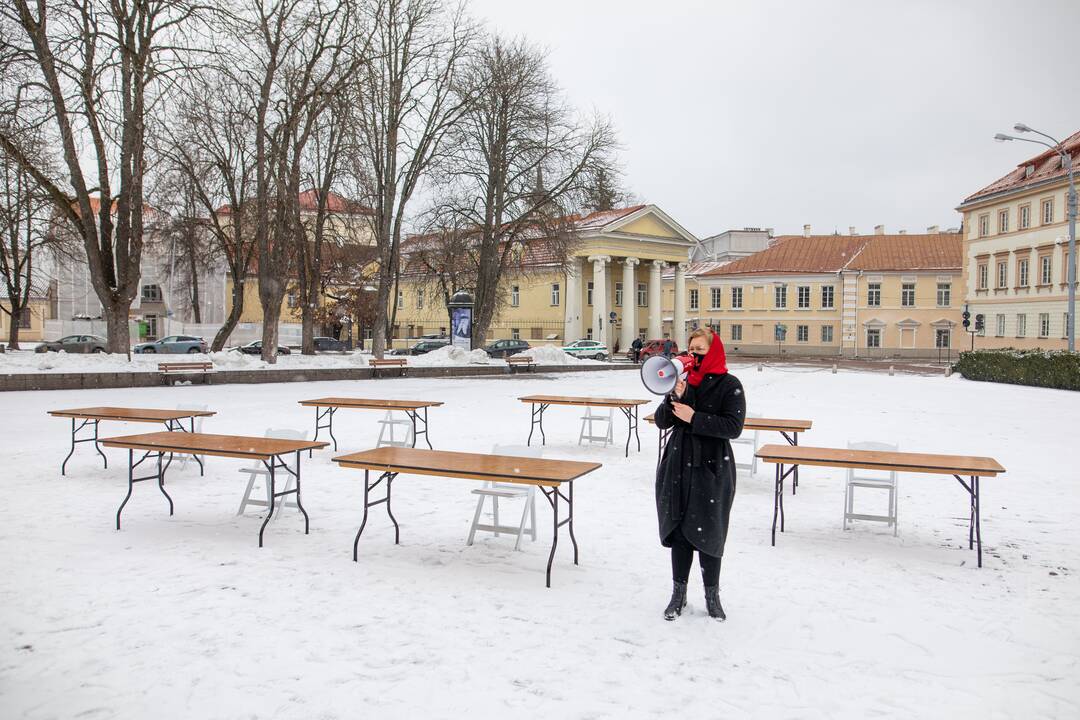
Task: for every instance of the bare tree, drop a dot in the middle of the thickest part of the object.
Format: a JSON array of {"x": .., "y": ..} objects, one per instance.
[
  {"x": 519, "y": 164},
  {"x": 98, "y": 68},
  {"x": 408, "y": 107}
]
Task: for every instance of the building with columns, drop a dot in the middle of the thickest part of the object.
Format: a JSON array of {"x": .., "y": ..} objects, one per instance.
[{"x": 616, "y": 266}]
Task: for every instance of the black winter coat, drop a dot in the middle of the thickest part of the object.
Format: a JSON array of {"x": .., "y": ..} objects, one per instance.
[{"x": 695, "y": 481}]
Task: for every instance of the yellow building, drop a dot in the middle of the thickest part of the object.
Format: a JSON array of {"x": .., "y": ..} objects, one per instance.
[
  {"x": 32, "y": 319},
  {"x": 615, "y": 266},
  {"x": 1016, "y": 253},
  {"x": 852, "y": 295}
]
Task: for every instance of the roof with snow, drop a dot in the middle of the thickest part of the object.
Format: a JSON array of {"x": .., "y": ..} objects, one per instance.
[{"x": 1044, "y": 167}]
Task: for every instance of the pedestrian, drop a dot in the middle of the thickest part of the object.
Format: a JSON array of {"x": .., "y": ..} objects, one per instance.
[
  {"x": 668, "y": 346},
  {"x": 695, "y": 480},
  {"x": 635, "y": 349}
]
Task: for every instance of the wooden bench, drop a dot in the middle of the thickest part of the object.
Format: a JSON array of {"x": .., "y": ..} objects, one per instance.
[
  {"x": 184, "y": 367},
  {"x": 376, "y": 365},
  {"x": 516, "y": 361}
]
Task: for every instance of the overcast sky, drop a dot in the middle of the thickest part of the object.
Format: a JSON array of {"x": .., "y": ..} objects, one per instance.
[{"x": 775, "y": 114}]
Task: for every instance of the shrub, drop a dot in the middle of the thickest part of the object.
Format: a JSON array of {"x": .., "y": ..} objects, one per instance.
[{"x": 1040, "y": 368}]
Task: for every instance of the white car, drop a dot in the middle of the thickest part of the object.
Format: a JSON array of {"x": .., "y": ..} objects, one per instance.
[{"x": 587, "y": 349}]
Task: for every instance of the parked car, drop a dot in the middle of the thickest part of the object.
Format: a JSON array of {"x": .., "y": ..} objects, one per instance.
[
  {"x": 255, "y": 348},
  {"x": 422, "y": 348},
  {"x": 329, "y": 344},
  {"x": 505, "y": 348},
  {"x": 587, "y": 349},
  {"x": 174, "y": 344},
  {"x": 653, "y": 347},
  {"x": 74, "y": 344}
]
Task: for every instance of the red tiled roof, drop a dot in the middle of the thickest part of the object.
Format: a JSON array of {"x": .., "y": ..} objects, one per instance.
[
  {"x": 1045, "y": 166},
  {"x": 600, "y": 218},
  {"x": 335, "y": 203},
  {"x": 795, "y": 254}
]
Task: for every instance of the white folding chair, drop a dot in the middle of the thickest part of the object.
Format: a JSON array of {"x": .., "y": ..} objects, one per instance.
[
  {"x": 258, "y": 470},
  {"x": 881, "y": 480},
  {"x": 507, "y": 491},
  {"x": 587, "y": 433},
  {"x": 751, "y": 439},
  {"x": 198, "y": 428},
  {"x": 388, "y": 423}
]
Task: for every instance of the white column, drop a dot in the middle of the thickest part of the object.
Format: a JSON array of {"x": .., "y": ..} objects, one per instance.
[
  {"x": 601, "y": 326},
  {"x": 572, "y": 301},
  {"x": 680, "y": 306},
  {"x": 629, "y": 303},
  {"x": 656, "y": 313}
]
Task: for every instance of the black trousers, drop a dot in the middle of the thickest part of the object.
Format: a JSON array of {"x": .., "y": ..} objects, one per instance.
[{"x": 682, "y": 559}]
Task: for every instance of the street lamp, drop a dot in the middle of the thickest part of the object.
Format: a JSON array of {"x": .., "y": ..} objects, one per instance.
[{"x": 1066, "y": 162}]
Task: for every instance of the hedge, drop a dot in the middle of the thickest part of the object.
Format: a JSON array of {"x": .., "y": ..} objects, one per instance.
[{"x": 1041, "y": 368}]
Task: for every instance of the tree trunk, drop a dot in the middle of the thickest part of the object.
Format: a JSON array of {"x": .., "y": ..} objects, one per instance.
[
  {"x": 117, "y": 312},
  {"x": 307, "y": 329},
  {"x": 271, "y": 318},
  {"x": 235, "y": 312},
  {"x": 13, "y": 333},
  {"x": 196, "y": 312}
]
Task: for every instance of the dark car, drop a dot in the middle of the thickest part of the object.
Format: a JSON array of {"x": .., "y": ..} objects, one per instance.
[
  {"x": 174, "y": 344},
  {"x": 506, "y": 348},
  {"x": 651, "y": 348},
  {"x": 255, "y": 348},
  {"x": 422, "y": 348},
  {"x": 329, "y": 344},
  {"x": 74, "y": 344}
]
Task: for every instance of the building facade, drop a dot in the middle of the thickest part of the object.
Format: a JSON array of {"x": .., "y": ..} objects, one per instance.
[{"x": 1016, "y": 254}]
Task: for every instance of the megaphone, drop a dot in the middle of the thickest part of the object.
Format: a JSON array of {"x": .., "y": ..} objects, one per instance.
[{"x": 659, "y": 374}]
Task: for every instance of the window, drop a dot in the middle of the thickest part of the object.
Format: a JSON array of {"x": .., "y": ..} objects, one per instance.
[
  {"x": 827, "y": 296},
  {"x": 907, "y": 295},
  {"x": 943, "y": 338},
  {"x": 802, "y": 332},
  {"x": 1022, "y": 273},
  {"x": 693, "y": 299},
  {"x": 1003, "y": 221},
  {"x": 803, "y": 297},
  {"x": 1045, "y": 268},
  {"x": 780, "y": 296},
  {"x": 290, "y": 299},
  {"x": 984, "y": 225},
  {"x": 1021, "y": 325},
  {"x": 1000, "y": 325},
  {"x": 826, "y": 334},
  {"x": 944, "y": 294},
  {"x": 536, "y": 333},
  {"x": 873, "y": 338},
  {"x": 515, "y": 295},
  {"x": 1024, "y": 221},
  {"x": 515, "y": 333},
  {"x": 873, "y": 294},
  {"x": 983, "y": 276},
  {"x": 554, "y": 294},
  {"x": 588, "y": 293},
  {"x": 24, "y": 319},
  {"x": 736, "y": 298},
  {"x": 618, "y": 294},
  {"x": 1044, "y": 325},
  {"x": 1002, "y": 274},
  {"x": 151, "y": 293},
  {"x": 736, "y": 332},
  {"x": 714, "y": 298},
  {"x": 419, "y": 298},
  {"x": 400, "y": 299},
  {"x": 588, "y": 332},
  {"x": 1047, "y": 211},
  {"x": 642, "y": 294},
  {"x": 1065, "y": 325}
]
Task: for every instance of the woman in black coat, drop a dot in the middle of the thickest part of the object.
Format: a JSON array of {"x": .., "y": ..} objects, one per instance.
[{"x": 695, "y": 481}]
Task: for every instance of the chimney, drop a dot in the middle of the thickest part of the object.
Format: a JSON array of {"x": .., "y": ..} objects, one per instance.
[
  {"x": 806, "y": 230},
  {"x": 932, "y": 230},
  {"x": 851, "y": 230},
  {"x": 902, "y": 232},
  {"x": 879, "y": 229}
]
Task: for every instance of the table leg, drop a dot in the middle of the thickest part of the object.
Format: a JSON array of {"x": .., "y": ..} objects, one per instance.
[
  {"x": 369, "y": 503},
  {"x": 537, "y": 419},
  {"x": 793, "y": 439},
  {"x": 159, "y": 476},
  {"x": 273, "y": 495},
  {"x": 75, "y": 440},
  {"x": 778, "y": 497},
  {"x": 299, "y": 504},
  {"x": 553, "y": 496},
  {"x": 328, "y": 413},
  {"x": 974, "y": 517}
]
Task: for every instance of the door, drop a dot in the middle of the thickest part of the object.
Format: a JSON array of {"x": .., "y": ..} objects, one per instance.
[{"x": 756, "y": 333}]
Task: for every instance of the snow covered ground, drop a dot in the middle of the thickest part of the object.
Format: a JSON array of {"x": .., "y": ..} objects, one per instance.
[{"x": 185, "y": 617}]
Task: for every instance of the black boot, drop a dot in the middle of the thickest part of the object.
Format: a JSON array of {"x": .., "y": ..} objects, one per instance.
[
  {"x": 712, "y": 603},
  {"x": 678, "y": 601}
]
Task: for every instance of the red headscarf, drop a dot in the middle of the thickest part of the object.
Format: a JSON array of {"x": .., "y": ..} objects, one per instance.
[{"x": 714, "y": 363}]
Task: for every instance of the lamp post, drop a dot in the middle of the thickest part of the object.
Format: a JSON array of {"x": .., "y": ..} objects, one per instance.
[{"x": 1066, "y": 162}]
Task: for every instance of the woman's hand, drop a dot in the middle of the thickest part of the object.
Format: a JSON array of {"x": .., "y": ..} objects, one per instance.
[
  {"x": 683, "y": 411},
  {"x": 680, "y": 387}
]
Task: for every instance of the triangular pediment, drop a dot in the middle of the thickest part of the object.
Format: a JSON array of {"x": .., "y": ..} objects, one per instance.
[{"x": 650, "y": 221}]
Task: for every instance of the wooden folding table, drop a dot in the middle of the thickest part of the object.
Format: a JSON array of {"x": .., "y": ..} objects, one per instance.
[
  {"x": 548, "y": 475},
  {"x": 540, "y": 403},
  {"x": 955, "y": 465},
  {"x": 268, "y": 450},
  {"x": 326, "y": 407},
  {"x": 172, "y": 419}
]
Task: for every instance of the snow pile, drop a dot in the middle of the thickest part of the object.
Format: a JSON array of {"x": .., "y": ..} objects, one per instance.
[
  {"x": 551, "y": 355},
  {"x": 25, "y": 361},
  {"x": 451, "y": 355}
]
